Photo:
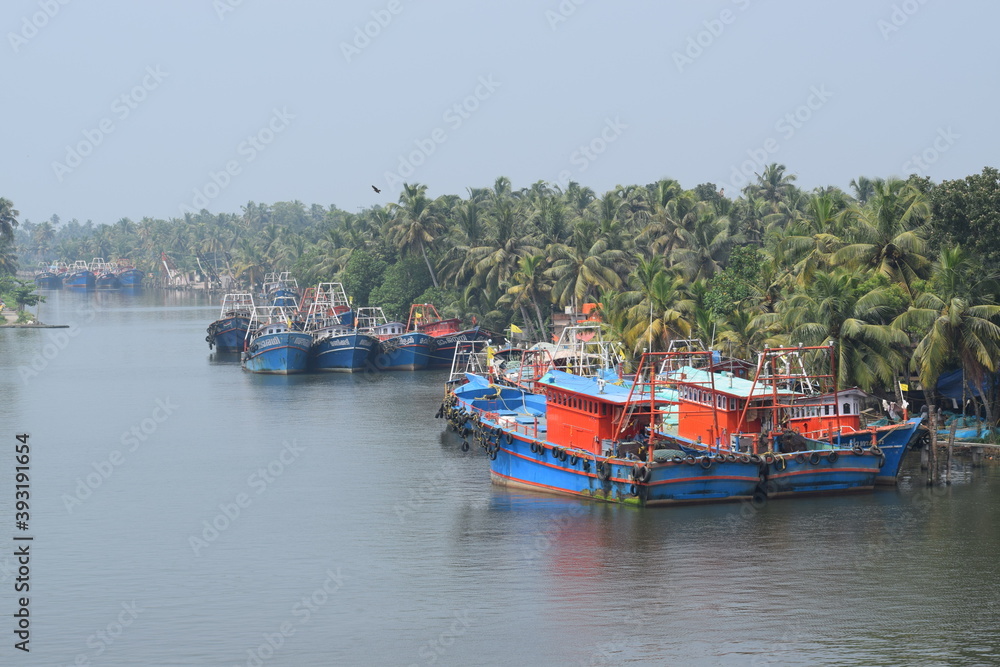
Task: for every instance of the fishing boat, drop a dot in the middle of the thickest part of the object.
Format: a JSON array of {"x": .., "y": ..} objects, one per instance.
[
  {"x": 79, "y": 277},
  {"x": 129, "y": 276},
  {"x": 399, "y": 349},
  {"x": 280, "y": 289},
  {"x": 106, "y": 275},
  {"x": 445, "y": 333},
  {"x": 341, "y": 343},
  {"x": 275, "y": 343},
  {"x": 809, "y": 440},
  {"x": 582, "y": 436},
  {"x": 228, "y": 333},
  {"x": 48, "y": 279}
]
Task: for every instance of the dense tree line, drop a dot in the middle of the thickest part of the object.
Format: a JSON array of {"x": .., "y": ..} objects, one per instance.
[{"x": 901, "y": 274}]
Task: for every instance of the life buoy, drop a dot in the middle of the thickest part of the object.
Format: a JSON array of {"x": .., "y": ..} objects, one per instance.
[
  {"x": 731, "y": 458},
  {"x": 815, "y": 458},
  {"x": 719, "y": 458},
  {"x": 706, "y": 462},
  {"x": 533, "y": 447},
  {"x": 690, "y": 460},
  {"x": 754, "y": 458},
  {"x": 678, "y": 459},
  {"x": 744, "y": 458},
  {"x": 573, "y": 460},
  {"x": 508, "y": 438},
  {"x": 768, "y": 459}
]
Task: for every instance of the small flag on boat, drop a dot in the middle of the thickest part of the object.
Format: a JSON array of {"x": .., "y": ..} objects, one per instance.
[
  {"x": 515, "y": 329},
  {"x": 904, "y": 387}
]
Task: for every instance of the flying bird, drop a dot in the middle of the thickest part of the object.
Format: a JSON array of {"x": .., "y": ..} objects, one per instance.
[{"x": 376, "y": 189}]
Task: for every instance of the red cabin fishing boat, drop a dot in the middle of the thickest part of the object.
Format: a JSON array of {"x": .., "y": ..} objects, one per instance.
[{"x": 445, "y": 333}]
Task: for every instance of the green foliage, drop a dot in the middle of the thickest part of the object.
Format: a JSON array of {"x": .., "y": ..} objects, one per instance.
[
  {"x": 363, "y": 273},
  {"x": 19, "y": 293},
  {"x": 967, "y": 211},
  {"x": 736, "y": 283},
  {"x": 401, "y": 285}
]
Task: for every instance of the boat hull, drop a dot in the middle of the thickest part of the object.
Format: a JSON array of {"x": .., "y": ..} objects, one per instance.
[
  {"x": 228, "y": 334},
  {"x": 812, "y": 473},
  {"x": 442, "y": 348},
  {"x": 80, "y": 280},
  {"x": 108, "y": 281},
  {"x": 48, "y": 280},
  {"x": 894, "y": 441},
  {"x": 131, "y": 278},
  {"x": 407, "y": 352},
  {"x": 282, "y": 353},
  {"x": 345, "y": 353},
  {"x": 549, "y": 469}
]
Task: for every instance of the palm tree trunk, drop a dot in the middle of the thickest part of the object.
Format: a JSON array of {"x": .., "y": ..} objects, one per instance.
[
  {"x": 428, "y": 263},
  {"x": 932, "y": 455},
  {"x": 541, "y": 320}
]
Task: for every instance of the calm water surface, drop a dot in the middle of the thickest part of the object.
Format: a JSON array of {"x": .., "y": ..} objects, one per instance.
[{"x": 330, "y": 520}]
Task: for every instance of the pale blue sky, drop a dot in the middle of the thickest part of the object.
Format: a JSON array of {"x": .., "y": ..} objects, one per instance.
[{"x": 296, "y": 106}]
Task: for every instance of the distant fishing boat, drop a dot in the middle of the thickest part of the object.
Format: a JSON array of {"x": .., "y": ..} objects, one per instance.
[
  {"x": 445, "y": 334},
  {"x": 129, "y": 276},
  {"x": 280, "y": 289},
  {"x": 274, "y": 343},
  {"x": 399, "y": 349},
  {"x": 79, "y": 277},
  {"x": 48, "y": 280},
  {"x": 340, "y": 343},
  {"x": 228, "y": 333},
  {"x": 107, "y": 280}
]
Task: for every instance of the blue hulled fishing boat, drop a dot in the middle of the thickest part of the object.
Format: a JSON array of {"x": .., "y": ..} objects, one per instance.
[
  {"x": 48, "y": 280},
  {"x": 275, "y": 344},
  {"x": 585, "y": 437},
  {"x": 340, "y": 345},
  {"x": 280, "y": 289},
  {"x": 445, "y": 334},
  {"x": 79, "y": 277},
  {"x": 809, "y": 440},
  {"x": 228, "y": 333},
  {"x": 130, "y": 278},
  {"x": 398, "y": 348}
]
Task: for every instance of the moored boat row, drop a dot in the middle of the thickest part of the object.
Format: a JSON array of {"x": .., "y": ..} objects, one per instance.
[
  {"x": 98, "y": 274},
  {"x": 678, "y": 431}
]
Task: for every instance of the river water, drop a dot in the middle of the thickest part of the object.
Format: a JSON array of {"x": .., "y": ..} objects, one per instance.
[{"x": 185, "y": 512}]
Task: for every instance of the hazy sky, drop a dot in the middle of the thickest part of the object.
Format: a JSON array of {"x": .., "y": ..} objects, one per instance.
[{"x": 129, "y": 109}]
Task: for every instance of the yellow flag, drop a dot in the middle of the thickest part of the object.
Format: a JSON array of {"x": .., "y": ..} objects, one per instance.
[
  {"x": 904, "y": 387},
  {"x": 515, "y": 329}
]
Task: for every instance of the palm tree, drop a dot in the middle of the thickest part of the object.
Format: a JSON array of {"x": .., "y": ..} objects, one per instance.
[
  {"x": 415, "y": 224},
  {"x": 834, "y": 308},
  {"x": 955, "y": 321},
  {"x": 8, "y": 219},
  {"x": 583, "y": 266},
  {"x": 530, "y": 286},
  {"x": 662, "y": 312},
  {"x": 887, "y": 234}
]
